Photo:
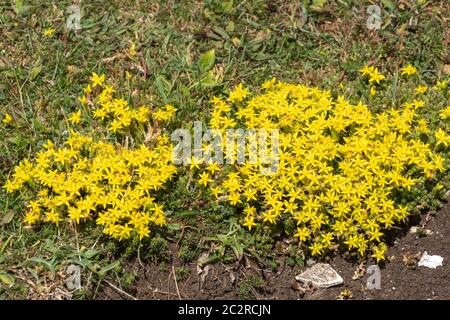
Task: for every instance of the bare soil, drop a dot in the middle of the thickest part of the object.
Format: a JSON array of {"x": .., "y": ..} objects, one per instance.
[{"x": 401, "y": 278}]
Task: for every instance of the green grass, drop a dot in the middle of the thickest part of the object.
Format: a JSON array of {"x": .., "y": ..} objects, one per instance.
[{"x": 41, "y": 78}]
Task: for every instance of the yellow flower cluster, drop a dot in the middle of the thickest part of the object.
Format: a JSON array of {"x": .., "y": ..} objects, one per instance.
[
  {"x": 117, "y": 112},
  {"x": 165, "y": 113},
  {"x": 90, "y": 178},
  {"x": 339, "y": 165}
]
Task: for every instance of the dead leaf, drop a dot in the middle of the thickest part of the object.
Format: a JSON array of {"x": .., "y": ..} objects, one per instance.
[
  {"x": 7, "y": 218},
  {"x": 410, "y": 260},
  {"x": 359, "y": 272},
  {"x": 151, "y": 134},
  {"x": 202, "y": 273},
  {"x": 446, "y": 69}
]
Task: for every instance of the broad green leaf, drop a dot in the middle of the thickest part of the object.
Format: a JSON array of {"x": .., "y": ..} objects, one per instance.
[
  {"x": 6, "y": 279},
  {"x": 35, "y": 72},
  {"x": 88, "y": 254},
  {"x": 48, "y": 264},
  {"x": 207, "y": 60},
  {"x": 223, "y": 34},
  {"x": 238, "y": 249},
  {"x": 174, "y": 226},
  {"x": 422, "y": 3},
  {"x": 320, "y": 3},
  {"x": 236, "y": 42},
  {"x": 209, "y": 80},
  {"x": 20, "y": 8},
  {"x": 388, "y": 4},
  {"x": 163, "y": 87},
  {"x": 230, "y": 26},
  {"x": 109, "y": 267},
  {"x": 227, "y": 6},
  {"x": 224, "y": 6},
  {"x": 317, "y": 5}
]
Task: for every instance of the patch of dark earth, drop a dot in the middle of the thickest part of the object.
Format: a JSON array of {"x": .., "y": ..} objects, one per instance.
[{"x": 400, "y": 277}]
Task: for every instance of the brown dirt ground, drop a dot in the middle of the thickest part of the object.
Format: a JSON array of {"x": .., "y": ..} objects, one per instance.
[{"x": 398, "y": 281}]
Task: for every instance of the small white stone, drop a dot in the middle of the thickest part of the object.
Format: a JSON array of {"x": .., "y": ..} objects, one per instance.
[
  {"x": 321, "y": 275},
  {"x": 430, "y": 261},
  {"x": 413, "y": 229}
]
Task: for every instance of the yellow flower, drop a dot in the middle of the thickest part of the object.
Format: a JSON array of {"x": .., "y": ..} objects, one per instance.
[
  {"x": 367, "y": 70},
  {"x": 316, "y": 248},
  {"x": 212, "y": 167},
  {"x": 445, "y": 113},
  {"x": 249, "y": 222},
  {"x": 7, "y": 119},
  {"x": 421, "y": 89},
  {"x": 158, "y": 209},
  {"x": 373, "y": 91},
  {"x": 379, "y": 252},
  {"x": 238, "y": 93},
  {"x": 195, "y": 162},
  {"x": 10, "y": 186},
  {"x": 375, "y": 76},
  {"x": 440, "y": 85},
  {"x": 329, "y": 203},
  {"x": 216, "y": 191},
  {"x": 204, "y": 179},
  {"x": 88, "y": 89},
  {"x": 269, "y": 84},
  {"x": 409, "y": 70},
  {"x": 132, "y": 51},
  {"x": 31, "y": 218},
  {"x": 441, "y": 137},
  {"x": 352, "y": 242},
  {"x": 70, "y": 180},
  {"x": 97, "y": 80},
  {"x": 75, "y": 117},
  {"x": 49, "y": 32},
  {"x": 327, "y": 240},
  {"x": 303, "y": 234},
  {"x": 375, "y": 235},
  {"x": 143, "y": 232},
  {"x": 164, "y": 114},
  {"x": 439, "y": 186},
  {"x": 250, "y": 210}
]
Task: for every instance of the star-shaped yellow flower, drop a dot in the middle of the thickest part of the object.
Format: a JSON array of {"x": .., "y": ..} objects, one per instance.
[{"x": 409, "y": 70}]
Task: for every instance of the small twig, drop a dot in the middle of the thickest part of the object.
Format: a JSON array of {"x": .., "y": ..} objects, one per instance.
[
  {"x": 95, "y": 243},
  {"x": 168, "y": 284},
  {"x": 120, "y": 290},
  {"x": 156, "y": 291},
  {"x": 176, "y": 283},
  {"x": 139, "y": 255}
]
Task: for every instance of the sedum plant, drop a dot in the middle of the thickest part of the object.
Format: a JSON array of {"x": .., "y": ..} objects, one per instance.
[
  {"x": 342, "y": 169},
  {"x": 89, "y": 177}
]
